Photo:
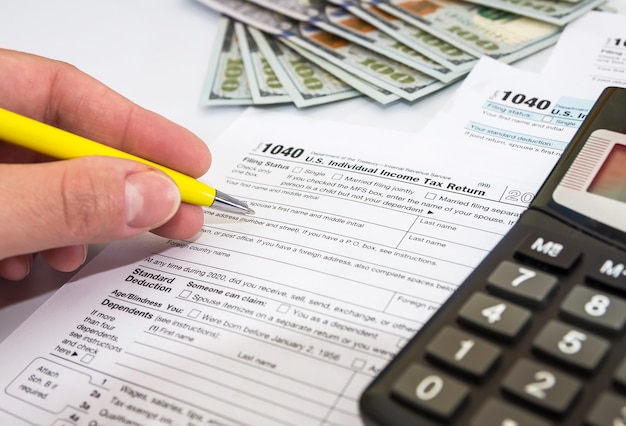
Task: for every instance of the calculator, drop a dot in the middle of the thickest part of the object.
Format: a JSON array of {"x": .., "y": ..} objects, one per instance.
[{"x": 536, "y": 335}]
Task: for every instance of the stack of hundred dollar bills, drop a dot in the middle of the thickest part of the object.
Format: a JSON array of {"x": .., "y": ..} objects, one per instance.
[{"x": 311, "y": 52}]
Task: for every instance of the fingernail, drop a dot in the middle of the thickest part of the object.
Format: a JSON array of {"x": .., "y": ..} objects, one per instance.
[
  {"x": 82, "y": 249},
  {"x": 151, "y": 199}
]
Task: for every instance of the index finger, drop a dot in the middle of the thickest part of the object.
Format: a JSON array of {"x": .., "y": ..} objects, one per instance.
[{"x": 61, "y": 95}]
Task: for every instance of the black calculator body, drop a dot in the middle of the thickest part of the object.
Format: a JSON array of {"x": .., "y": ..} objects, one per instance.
[{"x": 536, "y": 335}]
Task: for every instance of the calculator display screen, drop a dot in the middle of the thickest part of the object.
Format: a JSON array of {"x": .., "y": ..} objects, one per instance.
[
  {"x": 610, "y": 181},
  {"x": 594, "y": 184}
]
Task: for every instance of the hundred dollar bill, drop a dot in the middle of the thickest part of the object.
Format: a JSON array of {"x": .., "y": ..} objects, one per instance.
[
  {"x": 265, "y": 86},
  {"x": 383, "y": 72},
  {"x": 341, "y": 22},
  {"x": 306, "y": 83},
  {"x": 478, "y": 30},
  {"x": 552, "y": 11},
  {"x": 226, "y": 82},
  {"x": 343, "y": 18},
  {"x": 427, "y": 44},
  {"x": 376, "y": 69},
  {"x": 381, "y": 96}
]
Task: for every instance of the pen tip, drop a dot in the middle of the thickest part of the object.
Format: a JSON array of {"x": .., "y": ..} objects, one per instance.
[{"x": 249, "y": 212}]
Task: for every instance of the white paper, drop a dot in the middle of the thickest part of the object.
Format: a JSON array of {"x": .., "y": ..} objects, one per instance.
[
  {"x": 591, "y": 52},
  {"x": 509, "y": 122},
  {"x": 281, "y": 318}
]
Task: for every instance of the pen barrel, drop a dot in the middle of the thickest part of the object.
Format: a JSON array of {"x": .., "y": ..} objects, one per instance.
[{"x": 60, "y": 144}]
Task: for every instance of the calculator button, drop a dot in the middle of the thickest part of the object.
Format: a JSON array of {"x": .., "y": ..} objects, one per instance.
[
  {"x": 541, "y": 385},
  {"x": 495, "y": 315},
  {"x": 620, "y": 374},
  {"x": 499, "y": 413},
  {"x": 608, "y": 410},
  {"x": 522, "y": 284},
  {"x": 550, "y": 249},
  {"x": 595, "y": 309},
  {"x": 428, "y": 390},
  {"x": 608, "y": 271},
  {"x": 576, "y": 347},
  {"x": 463, "y": 351}
]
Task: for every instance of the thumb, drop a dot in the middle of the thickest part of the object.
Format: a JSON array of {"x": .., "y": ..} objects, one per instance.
[{"x": 81, "y": 201}]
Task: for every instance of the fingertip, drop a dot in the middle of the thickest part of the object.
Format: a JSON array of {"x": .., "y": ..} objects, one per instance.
[
  {"x": 16, "y": 268},
  {"x": 156, "y": 138},
  {"x": 185, "y": 224},
  {"x": 66, "y": 259}
]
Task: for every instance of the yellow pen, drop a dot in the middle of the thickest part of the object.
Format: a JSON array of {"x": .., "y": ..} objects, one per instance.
[{"x": 57, "y": 143}]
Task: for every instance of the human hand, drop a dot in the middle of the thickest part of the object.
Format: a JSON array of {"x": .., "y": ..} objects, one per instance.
[{"x": 57, "y": 208}]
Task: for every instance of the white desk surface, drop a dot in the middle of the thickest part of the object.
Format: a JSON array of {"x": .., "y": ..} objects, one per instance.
[{"x": 156, "y": 53}]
